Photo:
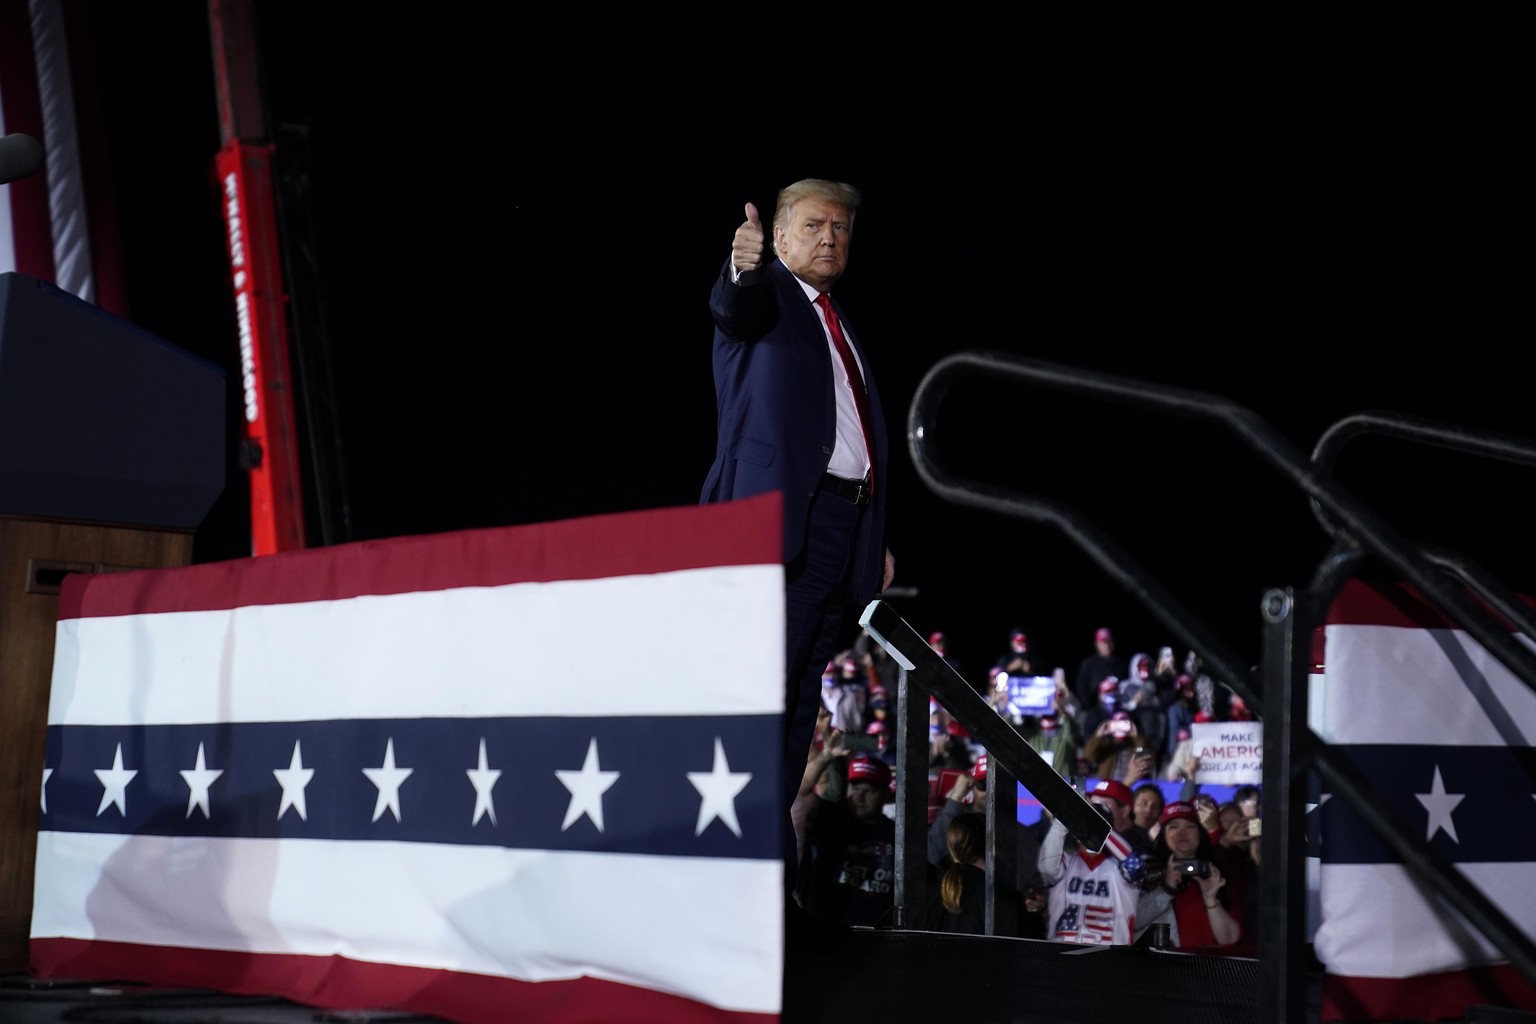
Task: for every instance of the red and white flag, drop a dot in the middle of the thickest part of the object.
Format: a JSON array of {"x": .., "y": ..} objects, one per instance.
[
  {"x": 1443, "y": 732},
  {"x": 516, "y": 774}
]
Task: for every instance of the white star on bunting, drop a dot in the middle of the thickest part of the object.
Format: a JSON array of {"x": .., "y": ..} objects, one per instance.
[
  {"x": 587, "y": 788},
  {"x": 114, "y": 782},
  {"x": 718, "y": 789},
  {"x": 1440, "y": 804},
  {"x": 293, "y": 779},
  {"x": 388, "y": 779},
  {"x": 483, "y": 779},
  {"x": 198, "y": 779}
]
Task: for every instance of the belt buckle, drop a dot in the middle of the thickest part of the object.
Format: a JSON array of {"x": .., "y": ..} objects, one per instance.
[{"x": 861, "y": 491}]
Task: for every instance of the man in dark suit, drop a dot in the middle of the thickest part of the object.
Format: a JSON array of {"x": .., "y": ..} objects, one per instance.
[{"x": 799, "y": 413}]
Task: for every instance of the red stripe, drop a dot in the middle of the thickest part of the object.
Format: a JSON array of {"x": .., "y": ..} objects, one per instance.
[
  {"x": 745, "y": 532},
  {"x": 336, "y": 982},
  {"x": 1424, "y": 996},
  {"x": 1366, "y": 604}
]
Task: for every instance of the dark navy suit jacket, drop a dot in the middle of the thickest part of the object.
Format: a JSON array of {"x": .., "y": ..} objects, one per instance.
[{"x": 778, "y": 415}]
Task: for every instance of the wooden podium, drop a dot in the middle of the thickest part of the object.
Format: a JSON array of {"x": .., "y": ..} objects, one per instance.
[{"x": 112, "y": 451}]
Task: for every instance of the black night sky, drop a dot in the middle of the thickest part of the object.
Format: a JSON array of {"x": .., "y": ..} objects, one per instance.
[{"x": 517, "y": 219}]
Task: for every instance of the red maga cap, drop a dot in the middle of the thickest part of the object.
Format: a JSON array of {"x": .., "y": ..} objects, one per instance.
[
  {"x": 1114, "y": 789},
  {"x": 867, "y": 769},
  {"x": 979, "y": 769},
  {"x": 1179, "y": 809}
]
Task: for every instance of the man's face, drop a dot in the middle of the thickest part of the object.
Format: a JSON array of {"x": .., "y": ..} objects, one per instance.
[
  {"x": 1148, "y": 807},
  {"x": 1106, "y": 647},
  {"x": 865, "y": 801},
  {"x": 813, "y": 241}
]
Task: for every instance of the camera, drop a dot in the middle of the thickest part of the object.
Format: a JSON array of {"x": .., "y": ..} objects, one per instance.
[
  {"x": 861, "y": 742},
  {"x": 1255, "y": 826},
  {"x": 1197, "y": 868}
]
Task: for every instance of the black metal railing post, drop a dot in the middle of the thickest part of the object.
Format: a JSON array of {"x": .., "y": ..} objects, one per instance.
[
  {"x": 1282, "y": 845},
  {"x": 911, "y": 882},
  {"x": 1002, "y": 916}
]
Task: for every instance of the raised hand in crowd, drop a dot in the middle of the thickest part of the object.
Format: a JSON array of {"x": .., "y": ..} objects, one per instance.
[
  {"x": 1184, "y": 767},
  {"x": 1236, "y": 828},
  {"x": 961, "y": 789},
  {"x": 1205, "y": 807},
  {"x": 1139, "y": 767}
]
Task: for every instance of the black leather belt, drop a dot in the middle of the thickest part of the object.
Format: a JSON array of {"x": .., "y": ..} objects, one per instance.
[{"x": 856, "y": 491}]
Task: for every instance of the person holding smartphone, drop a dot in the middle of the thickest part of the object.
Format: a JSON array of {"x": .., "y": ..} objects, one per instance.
[{"x": 1111, "y": 748}]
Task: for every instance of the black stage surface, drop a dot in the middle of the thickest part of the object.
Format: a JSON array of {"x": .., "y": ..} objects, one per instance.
[{"x": 832, "y": 976}]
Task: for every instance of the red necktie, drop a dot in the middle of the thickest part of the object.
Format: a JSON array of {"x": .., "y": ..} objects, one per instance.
[{"x": 855, "y": 378}]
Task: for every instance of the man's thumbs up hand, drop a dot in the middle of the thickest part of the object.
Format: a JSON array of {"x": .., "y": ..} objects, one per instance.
[{"x": 747, "y": 245}]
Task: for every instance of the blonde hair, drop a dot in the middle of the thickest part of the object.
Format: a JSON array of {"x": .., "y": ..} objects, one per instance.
[
  {"x": 966, "y": 840},
  {"x": 841, "y": 193}
]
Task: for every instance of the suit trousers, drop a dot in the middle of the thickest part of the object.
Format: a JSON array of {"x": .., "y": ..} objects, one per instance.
[{"x": 818, "y": 607}]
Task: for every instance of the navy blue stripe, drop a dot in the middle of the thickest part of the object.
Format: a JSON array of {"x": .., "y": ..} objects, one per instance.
[
  {"x": 652, "y": 808},
  {"x": 1495, "y": 820}
]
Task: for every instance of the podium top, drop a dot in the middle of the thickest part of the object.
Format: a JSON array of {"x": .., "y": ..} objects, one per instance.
[{"x": 100, "y": 420}]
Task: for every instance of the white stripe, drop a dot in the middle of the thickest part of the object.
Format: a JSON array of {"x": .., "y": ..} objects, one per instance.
[
  {"x": 695, "y": 642},
  {"x": 1317, "y": 703},
  {"x": 1317, "y": 711},
  {"x": 648, "y": 921},
  {"x": 1427, "y": 687},
  {"x": 1388, "y": 684},
  {"x": 1376, "y": 922},
  {"x": 1313, "y": 867}
]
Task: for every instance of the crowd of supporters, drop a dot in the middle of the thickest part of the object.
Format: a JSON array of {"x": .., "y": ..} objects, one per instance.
[
  {"x": 1119, "y": 726},
  {"x": 1099, "y": 721}
]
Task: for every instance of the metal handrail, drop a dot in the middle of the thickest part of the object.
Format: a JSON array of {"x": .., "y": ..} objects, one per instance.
[
  {"x": 1518, "y": 451},
  {"x": 1374, "y": 534},
  {"x": 1445, "y": 435},
  {"x": 1362, "y": 526}
]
